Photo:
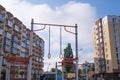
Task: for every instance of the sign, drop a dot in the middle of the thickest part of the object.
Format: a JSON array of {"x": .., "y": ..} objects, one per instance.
[{"x": 71, "y": 75}]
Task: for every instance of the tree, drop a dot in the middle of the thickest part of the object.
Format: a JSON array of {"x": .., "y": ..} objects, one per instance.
[
  {"x": 93, "y": 67},
  {"x": 53, "y": 70},
  {"x": 58, "y": 70},
  {"x": 83, "y": 71},
  {"x": 68, "y": 53}
]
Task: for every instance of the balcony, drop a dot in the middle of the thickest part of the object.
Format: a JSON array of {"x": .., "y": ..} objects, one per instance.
[
  {"x": 102, "y": 72},
  {"x": 14, "y": 50},
  {"x": 17, "y": 79},
  {"x": 7, "y": 48},
  {"x": 116, "y": 70},
  {"x": 1, "y": 18},
  {"x": 9, "y": 23},
  {"x": 14, "y": 72}
]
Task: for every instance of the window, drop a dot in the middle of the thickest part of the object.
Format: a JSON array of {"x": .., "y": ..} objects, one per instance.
[
  {"x": 4, "y": 62},
  {"x": 97, "y": 69},
  {"x": 100, "y": 34},
  {"x": 8, "y": 42},
  {"x": 103, "y": 68},
  {"x": 9, "y": 22},
  {"x": 107, "y": 67},
  {"x": 96, "y": 31},
  {"x": 104, "y": 32},
  {"x": 100, "y": 29},
  {"x": 101, "y": 40},
  {"x": 24, "y": 33},
  {"x": 1, "y": 17},
  {"x": 97, "y": 41},
  {"x": 106, "y": 55},
  {"x": 28, "y": 42},
  {"x": 15, "y": 38},
  {"x": 1, "y": 31},
  {"x": 23, "y": 44},
  {"x": 99, "y": 24},
  {"x": 114, "y": 20},
  {"x": 42, "y": 50},
  {"x": 8, "y": 35},
  {"x": 107, "y": 61},
  {"x": 22, "y": 76},
  {"x": 40, "y": 60},
  {"x": 23, "y": 49},
  {"x": 102, "y": 51},
  {"x": 103, "y": 62},
  {"x": 37, "y": 42},
  {"x": 14, "y": 50},
  {"x": 105, "y": 44},
  {"x": 33, "y": 71},
  {"x": 15, "y": 45},
  {"x": 96, "y": 36},
  {"x": 41, "y": 44},
  {"x": 34, "y": 43},
  {"x": 102, "y": 45},
  {"x": 16, "y": 27},
  {"x": 106, "y": 49},
  {"x": 118, "y": 55},
  {"x": 7, "y": 48},
  {"x": 96, "y": 52},
  {"x": 36, "y": 58},
  {"x": 23, "y": 54}
]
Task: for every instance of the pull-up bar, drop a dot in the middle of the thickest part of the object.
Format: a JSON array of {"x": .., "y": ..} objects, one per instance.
[{"x": 57, "y": 25}]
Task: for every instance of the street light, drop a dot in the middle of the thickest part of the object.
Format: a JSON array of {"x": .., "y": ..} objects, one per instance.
[
  {"x": 86, "y": 65},
  {"x": 81, "y": 49}
]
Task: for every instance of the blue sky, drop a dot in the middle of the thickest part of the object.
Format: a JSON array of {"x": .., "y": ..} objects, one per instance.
[
  {"x": 103, "y": 7},
  {"x": 70, "y": 12}
]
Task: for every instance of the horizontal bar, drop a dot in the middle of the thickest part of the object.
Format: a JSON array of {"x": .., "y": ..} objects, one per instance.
[{"x": 54, "y": 25}]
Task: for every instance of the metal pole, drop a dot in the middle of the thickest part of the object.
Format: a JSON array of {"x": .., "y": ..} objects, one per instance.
[
  {"x": 76, "y": 49},
  {"x": 62, "y": 72},
  {"x": 1, "y": 58},
  {"x": 86, "y": 64},
  {"x": 56, "y": 70},
  {"x": 30, "y": 52}
]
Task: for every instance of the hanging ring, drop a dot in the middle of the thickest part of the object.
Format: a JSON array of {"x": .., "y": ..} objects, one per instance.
[
  {"x": 61, "y": 56},
  {"x": 49, "y": 55}
]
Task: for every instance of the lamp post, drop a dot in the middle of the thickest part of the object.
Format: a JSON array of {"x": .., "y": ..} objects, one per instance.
[
  {"x": 56, "y": 70},
  {"x": 81, "y": 49},
  {"x": 86, "y": 65}
]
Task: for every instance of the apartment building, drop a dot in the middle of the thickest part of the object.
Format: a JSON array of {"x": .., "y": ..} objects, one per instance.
[
  {"x": 15, "y": 42},
  {"x": 106, "y": 40}
]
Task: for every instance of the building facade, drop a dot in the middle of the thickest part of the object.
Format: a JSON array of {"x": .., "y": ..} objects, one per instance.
[
  {"x": 106, "y": 40},
  {"x": 15, "y": 42}
]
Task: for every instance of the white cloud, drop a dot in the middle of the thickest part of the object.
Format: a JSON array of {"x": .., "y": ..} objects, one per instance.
[
  {"x": 86, "y": 57},
  {"x": 71, "y": 13},
  {"x": 50, "y": 63}
]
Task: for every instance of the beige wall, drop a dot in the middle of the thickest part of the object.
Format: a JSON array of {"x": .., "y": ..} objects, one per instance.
[{"x": 109, "y": 44}]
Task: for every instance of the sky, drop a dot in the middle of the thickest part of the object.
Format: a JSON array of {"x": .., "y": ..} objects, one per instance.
[{"x": 84, "y": 13}]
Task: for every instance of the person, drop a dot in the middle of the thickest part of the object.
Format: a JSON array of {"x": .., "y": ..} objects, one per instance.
[{"x": 42, "y": 77}]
